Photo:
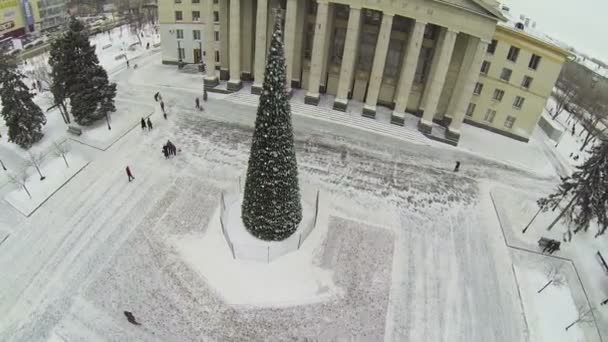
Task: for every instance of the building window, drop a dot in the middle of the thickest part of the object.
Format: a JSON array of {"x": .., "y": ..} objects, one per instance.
[
  {"x": 216, "y": 16},
  {"x": 478, "y": 88},
  {"x": 178, "y": 16},
  {"x": 422, "y": 69},
  {"x": 471, "y": 109},
  {"x": 196, "y": 1},
  {"x": 181, "y": 53},
  {"x": 196, "y": 34},
  {"x": 310, "y": 35},
  {"x": 371, "y": 17},
  {"x": 217, "y": 36},
  {"x": 179, "y": 33},
  {"x": 490, "y": 114},
  {"x": 312, "y": 7},
  {"x": 178, "y": 1},
  {"x": 526, "y": 82},
  {"x": 505, "y": 75},
  {"x": 492, "y": 46},
  {"x": 429, "y": 32},
  {"x": 341, "y": 11},
  {"x": 498, "y": 95},
  {"x": 196, "y": 15},
  {"x": 485, "y": 67},
  {"x": 393, "y": 59},
  {"x": 337, "y": 50},
  {"x": 367, "y": 50},
  {"x": 217, "y": 56},
  {"x": 534, "y": 61},
  {"x": 513, "y": 54},
  {"x": 519, "y": 102},
  {"x": 509, "y": 121}
]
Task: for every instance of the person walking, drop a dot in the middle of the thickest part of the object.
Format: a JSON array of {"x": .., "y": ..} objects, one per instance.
[
  {"x": 131, "y": 318},
  {"x": 149, "y": 124},
  {"x": 162, "y": 106},
  {"x": 129, "y": 174},
  {"x": 166, "y": 151},
  {"x": 127, "y": 64},
  {"x": 198, "y": 103},
  {"x": 143, "y": 124},
  {"x": 205, "y": 95},
  {"x": 457, "y": 167}
]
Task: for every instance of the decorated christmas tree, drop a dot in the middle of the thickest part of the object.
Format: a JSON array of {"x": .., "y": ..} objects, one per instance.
[
  {"x": 24, "y": 119},
  {"x": 77, "y": 76},
  {"x": 271, "y": 206}
]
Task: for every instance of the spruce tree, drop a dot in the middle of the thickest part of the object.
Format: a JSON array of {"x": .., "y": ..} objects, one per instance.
[
  {"x": 586, "y": 193},
  {"x": 77, "y": 76},
  {"x": 271, "y": 207},
  {"x": 23, "y": 117}
]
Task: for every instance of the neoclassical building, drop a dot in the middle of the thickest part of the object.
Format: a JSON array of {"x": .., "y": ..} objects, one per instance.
[{"x": 446, "y": 61}]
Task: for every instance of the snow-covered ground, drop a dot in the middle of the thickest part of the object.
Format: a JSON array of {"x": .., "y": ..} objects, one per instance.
[{"x": 412, "y": 250}]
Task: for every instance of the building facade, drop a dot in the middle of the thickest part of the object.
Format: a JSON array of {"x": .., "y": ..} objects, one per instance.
[
  {"x": 52, "y": 13},
  {"x": 447, "y": 62},
  {"x": 18, "y": 17}
]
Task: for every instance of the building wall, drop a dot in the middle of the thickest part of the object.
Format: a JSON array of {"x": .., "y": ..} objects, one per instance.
[
  {"x": 169, "y": 27},
  {"x": 52, "y": 13},
  {"x": 544, "y": 79}
]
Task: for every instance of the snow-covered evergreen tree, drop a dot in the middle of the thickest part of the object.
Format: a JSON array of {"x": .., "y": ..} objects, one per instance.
[
  {"x": 271, "y": 206},
  {"x": 78, "y": 76},
  {"x": 23, "y": 117},
  {"x": 586, "y": 193}
]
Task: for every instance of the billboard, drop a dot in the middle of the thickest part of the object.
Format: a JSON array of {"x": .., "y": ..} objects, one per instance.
[{"x": 10, "y": 16}]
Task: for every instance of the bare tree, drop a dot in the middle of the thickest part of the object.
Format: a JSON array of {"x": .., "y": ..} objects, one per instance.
[
  {"x": 35, "y": 159},
  {"x": 554, "y": 275},
  {"x": 569, "y": 83},
  {"x": 595, "y": 109},
  {"x": 584, "y": 316},
  {"x": 61, "y": 150},
  {"x": 20, "y": 179}
]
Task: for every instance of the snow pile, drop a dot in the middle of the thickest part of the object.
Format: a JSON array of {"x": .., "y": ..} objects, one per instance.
[
  {"x": 56, "y": 173},
  {"x": 293, "y": 279}
]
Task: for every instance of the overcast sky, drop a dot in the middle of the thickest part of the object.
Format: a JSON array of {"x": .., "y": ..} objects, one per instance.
[{"x": 582, "y": 24}]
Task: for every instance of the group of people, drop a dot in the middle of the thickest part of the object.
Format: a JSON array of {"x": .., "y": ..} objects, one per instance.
[
  {"x": 169, "y": 149},
  {"x": 146, "y": 124}
]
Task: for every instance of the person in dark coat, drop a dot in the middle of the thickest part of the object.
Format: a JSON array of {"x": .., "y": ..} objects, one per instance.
[
  {"x": 149, "y": 124},
  {"x": 604, "y": 302},
  {"x": 162, "y": 106},
  {"x": 127, "y": 64},
  {"x": 129, "y": 174},
  {"x": 156, "y": 96},
  {"x": 143, "y": 124},
  {"x": 131, "y": 318},
  {"x": 198, "y": 103},
  {"x": 457, "y": 167},
  {"x": 166, "y": 151},
  {"x": 39, "y": 85}
]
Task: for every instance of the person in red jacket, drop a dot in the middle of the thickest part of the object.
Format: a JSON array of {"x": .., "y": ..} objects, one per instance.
[{"x": 129, "y": 174}]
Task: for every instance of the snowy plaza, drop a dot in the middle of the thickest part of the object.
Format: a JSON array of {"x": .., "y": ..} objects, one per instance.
[{"x": 405, "y": 248}]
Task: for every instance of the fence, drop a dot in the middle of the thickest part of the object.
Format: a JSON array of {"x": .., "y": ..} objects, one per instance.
[{"x": 266, "y": 252}]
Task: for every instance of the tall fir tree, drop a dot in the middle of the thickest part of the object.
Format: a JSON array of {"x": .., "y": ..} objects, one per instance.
[
  {"x": 77, "y": 76},
  {"x": 23, "y": 117},
  {"x": 271, "y": 207},
  {"x": 586, "y": 193}
]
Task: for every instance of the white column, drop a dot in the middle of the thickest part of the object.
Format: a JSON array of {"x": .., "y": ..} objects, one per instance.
[
  {"x": 441, "y": 62},
  {"x": 408, "y": 71},
  {"x": 235, "y": 46},
  {"x": 477, "y": 49},
  {"x": 290, "y": 39},
  {"x": 210, "y": 79},
  {"x": 260, "y": 46},
  {"x": 347, "y": 68},
  {"x": 375, "y": 79},
  {"x": 319, "y": 57},
  {"x": 224, "y": 41}
]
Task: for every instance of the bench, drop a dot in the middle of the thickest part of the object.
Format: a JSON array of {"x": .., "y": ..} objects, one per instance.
[
  {"x": 74, "y": 130},
  {"x": 548, "y": 245},
  {"x": 602, "y": 261}
]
